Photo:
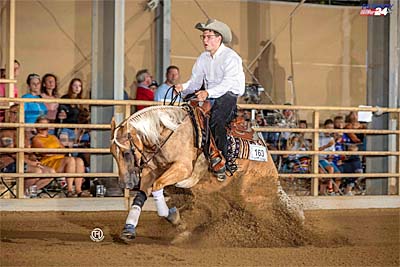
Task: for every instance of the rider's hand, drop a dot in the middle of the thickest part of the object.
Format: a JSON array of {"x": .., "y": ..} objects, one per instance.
[{"x": 202, "y": 95}]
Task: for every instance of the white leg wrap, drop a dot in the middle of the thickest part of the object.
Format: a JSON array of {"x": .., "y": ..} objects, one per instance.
[
  {"x": 162, "y": 208},
  {"x": 133, "y": 216}
]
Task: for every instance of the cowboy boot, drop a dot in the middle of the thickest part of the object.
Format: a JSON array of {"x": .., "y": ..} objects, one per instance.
[{"x": 217, "y": 163}]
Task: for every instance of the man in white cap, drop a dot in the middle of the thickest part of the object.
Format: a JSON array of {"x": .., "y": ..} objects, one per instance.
[{"x": 219, "y": 69}]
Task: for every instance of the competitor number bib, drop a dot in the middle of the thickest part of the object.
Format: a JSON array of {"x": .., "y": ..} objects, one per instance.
[{"x": 258, "y": 153}]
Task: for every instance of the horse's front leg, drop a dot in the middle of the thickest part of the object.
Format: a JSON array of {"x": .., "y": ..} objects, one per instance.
[
  {"x": 129, "y": 231},
  {"x": 177, "y": 172}
]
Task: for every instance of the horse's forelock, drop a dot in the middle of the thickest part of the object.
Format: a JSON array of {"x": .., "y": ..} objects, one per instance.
[{"x": 150, "y": 121}]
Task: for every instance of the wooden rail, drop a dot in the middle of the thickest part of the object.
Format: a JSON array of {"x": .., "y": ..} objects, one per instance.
[{"x": 126, "y": 104}]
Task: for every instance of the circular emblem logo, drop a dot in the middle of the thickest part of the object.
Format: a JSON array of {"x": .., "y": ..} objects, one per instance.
[{"x": 97, "y": 235}]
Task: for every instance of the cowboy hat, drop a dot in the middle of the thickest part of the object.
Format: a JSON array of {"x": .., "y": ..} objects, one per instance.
[{"x": 216, "y": 26}]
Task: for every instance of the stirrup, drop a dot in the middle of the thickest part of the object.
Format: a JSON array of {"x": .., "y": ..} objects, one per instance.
[
  {"x": 215, "y": 161},
  {"x": 220, "y": 174}
]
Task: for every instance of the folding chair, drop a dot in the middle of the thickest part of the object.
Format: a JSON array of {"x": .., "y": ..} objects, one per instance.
[
  {"x": 9, "y": 184},
  {"x": 54, "y": 188}
]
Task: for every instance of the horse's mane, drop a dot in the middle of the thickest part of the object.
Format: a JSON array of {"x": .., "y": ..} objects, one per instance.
[{"x": 150, "y": 121}]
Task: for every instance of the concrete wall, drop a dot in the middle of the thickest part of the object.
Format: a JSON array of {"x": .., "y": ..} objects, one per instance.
[{"x": 329, "y": 44}]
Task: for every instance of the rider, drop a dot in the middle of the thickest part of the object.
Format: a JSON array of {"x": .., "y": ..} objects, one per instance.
[{"x": 219, "y": 69}]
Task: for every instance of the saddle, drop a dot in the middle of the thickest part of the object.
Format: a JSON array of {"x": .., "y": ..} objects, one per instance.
[{"x": 239, "y": 128}]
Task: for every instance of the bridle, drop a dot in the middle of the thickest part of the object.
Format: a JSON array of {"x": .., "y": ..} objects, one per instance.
[{"x": 143, "y": 161}]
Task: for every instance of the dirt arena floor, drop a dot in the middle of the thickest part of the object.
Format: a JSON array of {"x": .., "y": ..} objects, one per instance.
[{"x": 348, "y": 238}]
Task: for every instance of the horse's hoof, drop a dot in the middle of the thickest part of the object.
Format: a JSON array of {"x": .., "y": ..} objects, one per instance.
[
  {"x": 129, "y": 232},
  {"x": 173, "y": 216}
]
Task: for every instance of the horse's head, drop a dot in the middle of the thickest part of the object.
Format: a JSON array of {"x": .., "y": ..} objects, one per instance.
[{"x": 126, "y": 148}]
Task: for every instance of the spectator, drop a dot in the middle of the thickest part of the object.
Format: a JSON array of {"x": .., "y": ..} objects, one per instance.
[
  {"x": 353, "y": 123},
  {"x": 17, "y": 68},
  {"x": 288, "y": 121},
  {"x": 72, "y": 113},
  {"x": 50, "y": 90},
  {"x": 351, "y": 164},
  {"x": 172, "y": 78},
  {"x": 306, "y": 136},
  {"x": 289, "y": 118},
  {"x": 144, "y": 92},
  {"x": 8, "y": 160},
  {"x": 338, "y": 122},
  {"x": 327, "y": 143},
  {"x": 33, "y": 109},
  {"x": 59, "y": 162},
  {"x": 297, "y": 163}
]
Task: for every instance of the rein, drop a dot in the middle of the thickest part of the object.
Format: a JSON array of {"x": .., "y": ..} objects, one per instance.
[{"x": 155, "y": 152}]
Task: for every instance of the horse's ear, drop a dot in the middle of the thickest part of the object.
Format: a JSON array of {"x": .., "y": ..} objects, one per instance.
[{"x": 112, "y": 125}]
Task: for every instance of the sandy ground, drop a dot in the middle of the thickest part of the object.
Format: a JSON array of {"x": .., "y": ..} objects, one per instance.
[{"x": 356, "y": 238}]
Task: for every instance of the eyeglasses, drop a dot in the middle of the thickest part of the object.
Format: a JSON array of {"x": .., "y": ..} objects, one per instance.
[{"x": 202, "y": 37}]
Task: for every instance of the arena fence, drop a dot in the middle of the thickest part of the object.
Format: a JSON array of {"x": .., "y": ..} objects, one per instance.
[{"x": 124, "y": 106}]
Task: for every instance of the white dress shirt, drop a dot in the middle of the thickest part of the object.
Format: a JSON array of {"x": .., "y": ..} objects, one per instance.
[{"x": 221, "y": 73}]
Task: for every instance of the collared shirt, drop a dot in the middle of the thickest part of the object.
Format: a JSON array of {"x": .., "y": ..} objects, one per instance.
[
  {"x": 159, "y": 95},
  {"x": 221, "y": 73}
]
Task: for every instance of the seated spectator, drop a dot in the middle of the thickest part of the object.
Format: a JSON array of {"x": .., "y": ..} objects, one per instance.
[
  {"x": 144, "y": 92},
  {"x": 172, "y": 78},
  {"x": 338, "y": 122},
  {"x": 33, "y": 109},
  {"x": 306, "y": 136},
  {"x": 69, "y": 113},
  {"x": 288, "y": 121},
  {"x": 31, "y": 164},
  {"x": 17, "y": 68},
  {"x": 351, "y": 164},
  {"x": 59, "y": 162},
  {"x": 260, "y": 120},
  {"x": 50, "y": 90},
  {"x": 296, "y": 163},
  {"x": 327, "y": 143}
]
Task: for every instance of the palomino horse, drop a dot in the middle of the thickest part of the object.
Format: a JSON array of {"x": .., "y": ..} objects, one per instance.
[{"x": 155, "y": 147}]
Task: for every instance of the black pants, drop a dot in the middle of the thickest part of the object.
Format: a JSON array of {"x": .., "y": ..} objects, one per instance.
[{"x": 222, "y": 113}]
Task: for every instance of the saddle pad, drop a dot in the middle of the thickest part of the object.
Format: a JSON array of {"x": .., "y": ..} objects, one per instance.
[{"x": 239, "y": 148}]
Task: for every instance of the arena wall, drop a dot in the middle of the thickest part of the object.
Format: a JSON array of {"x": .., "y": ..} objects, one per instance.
[{"x": 329, "y": 44}]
